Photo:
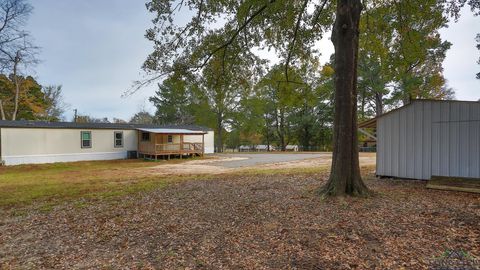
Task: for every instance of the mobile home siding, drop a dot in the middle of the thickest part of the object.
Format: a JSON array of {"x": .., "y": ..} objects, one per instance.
[
  {"x": 45, "y": 145},
  {"x": 429, "y": 138},
  {"x": 208, "y": 141}
]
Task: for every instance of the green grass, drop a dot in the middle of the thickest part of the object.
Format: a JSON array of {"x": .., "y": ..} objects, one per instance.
[{"x": 49, "y": 184}]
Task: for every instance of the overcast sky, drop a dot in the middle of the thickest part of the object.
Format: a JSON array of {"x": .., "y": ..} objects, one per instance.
[{"x": 95, "y": 50}]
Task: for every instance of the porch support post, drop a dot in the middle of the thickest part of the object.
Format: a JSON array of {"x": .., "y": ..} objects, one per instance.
[
  {"x": 155, "y": 144},
  {"x": 181, "y": 146},
  {"x": 139, "y": 137}
]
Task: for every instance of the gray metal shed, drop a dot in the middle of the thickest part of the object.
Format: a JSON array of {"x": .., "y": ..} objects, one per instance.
[{"x": 429, "y": 138}]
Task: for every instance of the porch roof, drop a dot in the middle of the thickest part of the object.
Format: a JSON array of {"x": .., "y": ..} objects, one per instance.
[{"x": 171, "y": 131}]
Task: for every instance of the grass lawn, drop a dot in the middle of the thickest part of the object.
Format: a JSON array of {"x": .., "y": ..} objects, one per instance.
[
  {"x": 49, "y": 184},
  {"x": 251, "y": 219}
]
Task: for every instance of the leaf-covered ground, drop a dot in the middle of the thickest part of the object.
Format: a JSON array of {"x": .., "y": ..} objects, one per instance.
[{"x": 247, "y": 222}]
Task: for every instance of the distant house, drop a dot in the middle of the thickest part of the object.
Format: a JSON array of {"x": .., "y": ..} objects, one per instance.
[
  {"x": 291, "y": 148},
  {"x": 23, "y": 142},
  {"x": 264, "y": 148},
  {"x": 428, "y": 138},
  {"x": 246, "y": 148}
]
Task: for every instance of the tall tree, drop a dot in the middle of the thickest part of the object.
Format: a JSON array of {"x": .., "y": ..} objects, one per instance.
[
  {"x": 345, "y": 175},
  {"x": 22, "y": 55},
  {"x": 30, "y": 104},
  {"x": 142, "y": 117},
  {"x": 16, "y": 50},
  {"x": 291, "y": 28},
  {"x": 222, "y": 86},
  {"x": 281, "y": 98},
  {"x": 55, "y": 102},
  {"x": 13, "y": 16},
  {"x": 401, "y": 54},
  {"x": 173, "y": 100}
]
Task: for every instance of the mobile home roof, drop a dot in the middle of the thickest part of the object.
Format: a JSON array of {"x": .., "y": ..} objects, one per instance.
[{"x": 72, "y": 125}]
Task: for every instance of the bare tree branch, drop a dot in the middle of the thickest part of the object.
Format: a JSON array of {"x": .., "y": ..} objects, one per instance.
[
  {"x": 234, "y": 35},
  {"x": 294, "y": 37}
]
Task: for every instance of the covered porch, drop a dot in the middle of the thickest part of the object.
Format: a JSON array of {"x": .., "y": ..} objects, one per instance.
[{"x": 167, "y": 143}]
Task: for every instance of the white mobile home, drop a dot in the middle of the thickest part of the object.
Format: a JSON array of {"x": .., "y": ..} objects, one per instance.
[
  {"x": 264, "y": 148},
  {"x": 291, "y": 148},
  {"x": 23, "y": 142},
  {"x": 429, "y": 138}
]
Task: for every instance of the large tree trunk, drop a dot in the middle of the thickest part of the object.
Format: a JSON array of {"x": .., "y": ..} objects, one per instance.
[
  {"x": 2, "y": 111},
  {"x": 345, "y": 175}
]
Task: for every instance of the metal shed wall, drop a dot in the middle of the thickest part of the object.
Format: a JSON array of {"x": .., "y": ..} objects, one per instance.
[{"x": 429, "y": 138}]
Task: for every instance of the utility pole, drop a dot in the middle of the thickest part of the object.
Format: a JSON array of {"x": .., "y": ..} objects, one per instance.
[{"x": 75, "y": 116}]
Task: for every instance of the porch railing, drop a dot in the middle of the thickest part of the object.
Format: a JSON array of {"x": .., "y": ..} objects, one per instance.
[{"x": 179, "y": 148}]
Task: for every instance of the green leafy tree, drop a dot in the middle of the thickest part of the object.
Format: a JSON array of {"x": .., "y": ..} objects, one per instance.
[
  {"x": 90, "y": 119},
  {"x": 173, "y": 101},
  {"x": 248, "y": 121},
  {"x": 281, "y": 97},
  {"x": 401, "y": 54},
  {"x": 142, "y": 117},
  {"x": 29, "y": 104},
  {"x": 55, "y": 104},
  {"x": 324, "y": 107},
  {"x": 220, "y": 32},
  {"x": 222, "y": 86}
]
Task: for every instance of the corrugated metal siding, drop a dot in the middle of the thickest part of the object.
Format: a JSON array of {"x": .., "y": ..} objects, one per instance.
[
  {"x": 458, "y": 147},
  {"x": 430, "y": 138}
]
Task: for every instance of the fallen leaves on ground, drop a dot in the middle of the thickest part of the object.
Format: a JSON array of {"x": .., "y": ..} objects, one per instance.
[{"x": 248, "y": 222}]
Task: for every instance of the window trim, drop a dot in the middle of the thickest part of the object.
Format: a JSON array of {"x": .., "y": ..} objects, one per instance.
[
  {"x": 115, "y": 139},
  {"x": 169, "y": 137},
  {"x": 81, "y": 139}
]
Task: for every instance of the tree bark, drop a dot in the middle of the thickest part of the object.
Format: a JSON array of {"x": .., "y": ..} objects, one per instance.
[
  {"x": 345, "y": 177},
  {"x": 281, "y": 129},
  {"x": 17, "y": 86},
  {"x": 2, "y": 111},
  {"x": 267, "y": 134},
  {"x": 378, "y": 104}
]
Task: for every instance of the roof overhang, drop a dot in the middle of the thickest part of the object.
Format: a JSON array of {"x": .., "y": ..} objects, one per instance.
[
  {"x": 171, "y": 131},
  {"x": 371, "y": 123}
]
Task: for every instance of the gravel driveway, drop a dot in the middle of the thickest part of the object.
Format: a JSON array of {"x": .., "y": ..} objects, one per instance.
[
  {"x": 228, "y": 162},
  {"x": 267, "y": 158}
]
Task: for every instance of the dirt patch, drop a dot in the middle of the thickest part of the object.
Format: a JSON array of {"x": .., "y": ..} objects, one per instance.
[
  {"x": 214, "y": 166},
  {"x": 186, "y": 169},
  {"x": 203, "y": 166},
  {"x": 366, "y": 159}
]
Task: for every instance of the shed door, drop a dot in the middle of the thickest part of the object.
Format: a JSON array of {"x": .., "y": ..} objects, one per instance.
[{"x": 456, "y": 148}]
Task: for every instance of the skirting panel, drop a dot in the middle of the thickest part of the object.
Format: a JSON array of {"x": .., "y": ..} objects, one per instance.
[
  {"x": 209, "y": 150},
  {"x": 38, "y": 159}
]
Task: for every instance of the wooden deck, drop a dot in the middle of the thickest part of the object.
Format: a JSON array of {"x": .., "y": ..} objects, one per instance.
[
  {"x": 158, "y": 146},
  {"x": 454, "y": 184},
  {"x": 173, "y": 149}
]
